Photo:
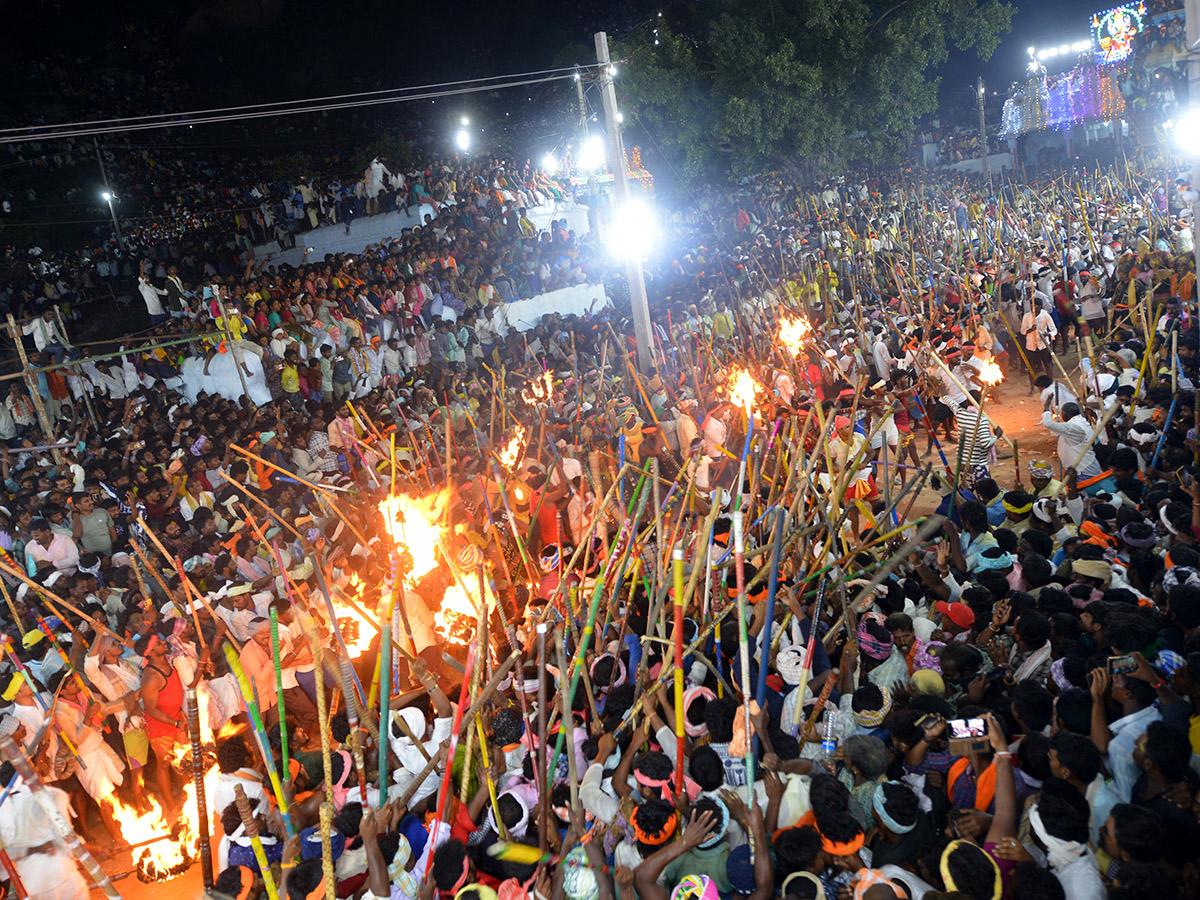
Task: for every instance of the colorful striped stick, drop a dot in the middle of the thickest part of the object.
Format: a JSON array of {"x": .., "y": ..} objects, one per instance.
[
  {"x": 744, "y": 638},
  {"x": 251, "y": 828},
  {"x": 677, "y": 562},
  {"x": 283, "y": 732},
  {"x": 235, "y": 666},
  {"x": 444, "y": 792}
]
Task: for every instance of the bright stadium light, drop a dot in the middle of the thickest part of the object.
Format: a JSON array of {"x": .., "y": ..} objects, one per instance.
[
  {"x": 466, "y": 121},
  {"x": 549, "y": 163},
  {"x": 592, "y": 153},
  {"x": 1186, "y": 132},
  {"x": 106, "y": 197},
  {"x": 633, "y": 230},
  {"x": 463, "y": 140}
]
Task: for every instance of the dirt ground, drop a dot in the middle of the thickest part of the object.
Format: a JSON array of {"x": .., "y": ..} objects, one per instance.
[{"x": 1020, "y": 417}]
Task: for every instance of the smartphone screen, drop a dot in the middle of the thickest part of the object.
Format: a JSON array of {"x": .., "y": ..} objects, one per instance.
[
  {"x": 965, "y": 729},
  {"x": 1121, "y": 665}
]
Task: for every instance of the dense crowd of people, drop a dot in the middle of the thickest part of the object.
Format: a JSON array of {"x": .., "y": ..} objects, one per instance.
[{"x": 478, "y": 612}]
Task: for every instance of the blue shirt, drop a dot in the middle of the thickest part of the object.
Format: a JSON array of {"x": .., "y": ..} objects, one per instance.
[{"x": 1126, "y": 732}]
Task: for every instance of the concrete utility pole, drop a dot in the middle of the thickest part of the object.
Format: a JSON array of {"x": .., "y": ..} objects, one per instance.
[
  {"x": 980, "y": 93},
  {"x": 1192, "y": 12},
  {"x": 616, "y": 156},
  {"x": 582, "y": 103}
]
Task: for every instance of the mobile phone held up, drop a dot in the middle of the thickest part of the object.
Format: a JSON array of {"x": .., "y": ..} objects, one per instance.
[
  {"x": 1122, "y": 665},
  {"x": 967, "y": 729}
]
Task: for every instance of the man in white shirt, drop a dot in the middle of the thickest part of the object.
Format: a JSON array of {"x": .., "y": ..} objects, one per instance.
[
  {"x": 882, "y": 356},
  {"x": 1039, "y": 331},
  {"x": 150, "y": 295},
  {"x": 1055, "y": 394},
  {"x": 47, "y": 337},
  {"x": 1074, "y": 440}
]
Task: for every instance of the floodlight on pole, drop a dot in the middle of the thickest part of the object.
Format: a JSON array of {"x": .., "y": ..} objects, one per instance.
[
  {"x": 633, "y": 230},
  {"x": 106, "y": 197},
  {"x": 1185, "y": 132},
  {"x": 592, "y": 154}
]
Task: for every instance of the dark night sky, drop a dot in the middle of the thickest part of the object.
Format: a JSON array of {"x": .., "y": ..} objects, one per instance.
[
  {"x": 315, "y": 46},
  {"x": 1036, "y": 23}
]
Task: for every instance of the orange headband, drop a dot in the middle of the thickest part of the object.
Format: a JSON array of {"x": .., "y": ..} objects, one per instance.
[
  {"x": 1097, "y": 535},
  {"x": 661, "y": 838},
  {"x": 845, "y": 848}
]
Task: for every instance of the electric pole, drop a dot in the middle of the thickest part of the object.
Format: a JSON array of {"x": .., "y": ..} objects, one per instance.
[
  {"x": 582, "y": 103},
  {"x": 983, "y": 141},
  {"x": 616, "y": 156}
]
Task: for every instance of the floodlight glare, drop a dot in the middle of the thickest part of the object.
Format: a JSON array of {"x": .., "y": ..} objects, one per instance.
[
  {"x": 633, "y": 230},
  {"x": 592, "y": 154},
  {"x": 106, "y": 197},
  {"x": 1186, "y": 133},
  {"x": 549, "y": 163},
  {"x": 463, "y": 140}
]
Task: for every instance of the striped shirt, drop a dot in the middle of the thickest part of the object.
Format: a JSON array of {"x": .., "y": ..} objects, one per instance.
[{"x": 975, "y": 435}]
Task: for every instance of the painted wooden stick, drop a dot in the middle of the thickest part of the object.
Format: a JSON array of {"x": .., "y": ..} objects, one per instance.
[
  {"x": 251, "y": 828},
  {"x": 275, "y": 653},
  {"x": 444, "y": 792},
  {"x": 677, "y": 564}
]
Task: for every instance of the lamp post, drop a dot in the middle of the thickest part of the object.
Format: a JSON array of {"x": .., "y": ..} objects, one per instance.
[
  {"x": 107, "y": 196},
  {"x": 983, "y": 141},
  {"x": 637, "y": 280}
]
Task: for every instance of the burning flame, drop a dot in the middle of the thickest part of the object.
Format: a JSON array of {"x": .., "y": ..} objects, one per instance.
[
  {"x": 511, "y": 453},
  {"x": 355, "y": 628},
  {"x": 415, "y": 524},
  {"x": 459, "y": 615},
  {"x": 991, "y": 374},
  {"x": 539, "y": 390},
  {"x": 743, "y": 388},
  {"x": 792, "y": 333},
  {"x": 177, "y": 847}
]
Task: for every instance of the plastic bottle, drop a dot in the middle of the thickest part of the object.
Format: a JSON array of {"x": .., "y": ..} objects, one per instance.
[{"x": 829, "y": 734}]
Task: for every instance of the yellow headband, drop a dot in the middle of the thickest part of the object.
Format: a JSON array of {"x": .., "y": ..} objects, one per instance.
[
  {"x": 945, "y": 867},
  {"x": 14, "y": 685}
]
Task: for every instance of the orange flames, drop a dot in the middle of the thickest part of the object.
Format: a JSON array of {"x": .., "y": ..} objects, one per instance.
[
  {"x": 743, "y": 388},
  {"x": 991, "y": 374},
  {"x": 511, "y": 454},
  {"x": 793, "y": 332},
  {"x": 415, "y": 524},
  {"x": 539, "y": 390},
  {"x": 459, "y": 615},
  {"x": 356, "y": 630},
  {"x": 171, "y": 855}
]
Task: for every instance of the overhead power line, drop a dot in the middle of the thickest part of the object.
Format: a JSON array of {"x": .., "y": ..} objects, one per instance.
[{"x": 26, "y": 134}]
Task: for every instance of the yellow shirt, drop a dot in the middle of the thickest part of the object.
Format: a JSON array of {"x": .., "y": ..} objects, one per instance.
[{"x": 289, "y": 378}]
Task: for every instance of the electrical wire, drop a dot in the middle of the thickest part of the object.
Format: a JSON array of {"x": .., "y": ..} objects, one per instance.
[
  {"x": 40, "y": 130},
  {"x": 22, "y": 139}
]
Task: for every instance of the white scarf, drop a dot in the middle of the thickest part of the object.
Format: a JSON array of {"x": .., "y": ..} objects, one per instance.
[{"x": 1060, "y": 853}]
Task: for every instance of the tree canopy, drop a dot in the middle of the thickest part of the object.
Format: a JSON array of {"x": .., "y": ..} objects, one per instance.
[{"x": 791, "y": 82}]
